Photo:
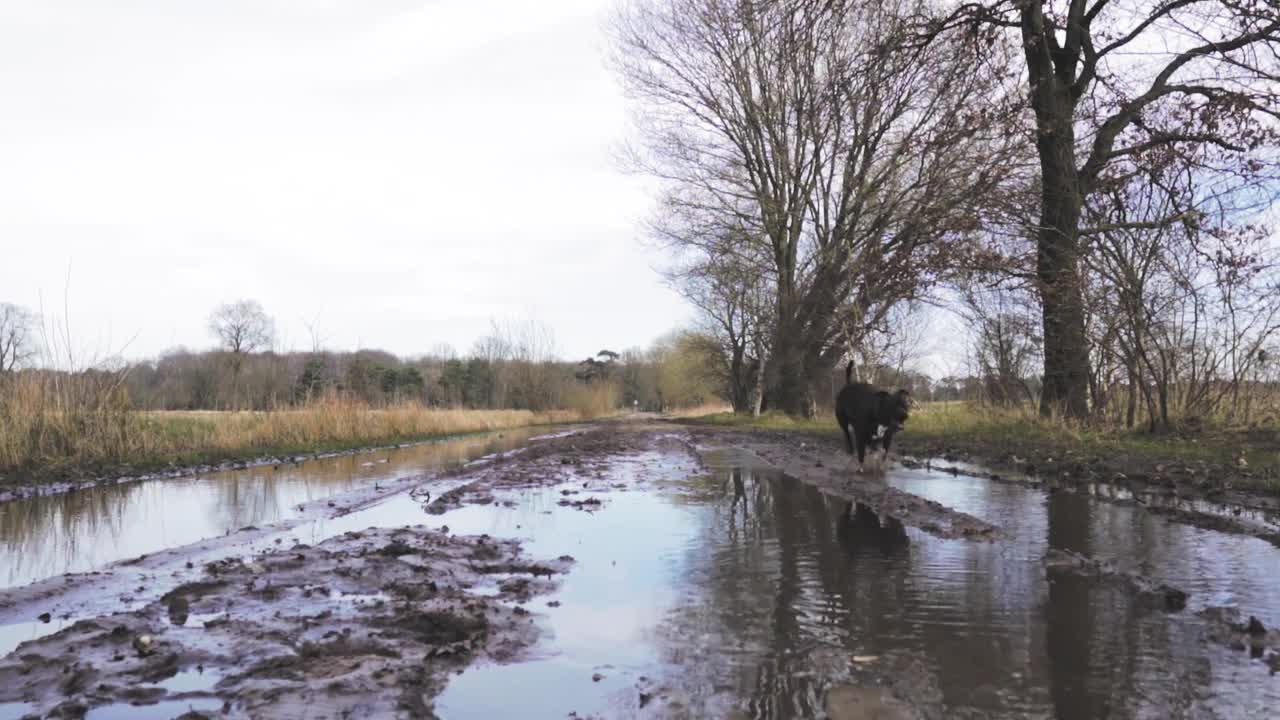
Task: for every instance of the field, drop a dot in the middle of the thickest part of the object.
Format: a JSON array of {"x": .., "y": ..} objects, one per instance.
[{"x": 53, "y": 443}]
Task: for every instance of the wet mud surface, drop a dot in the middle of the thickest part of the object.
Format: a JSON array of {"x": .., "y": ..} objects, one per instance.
[
  {"x": 634, "y": 570},
  {"x": 362, "y": 625}
]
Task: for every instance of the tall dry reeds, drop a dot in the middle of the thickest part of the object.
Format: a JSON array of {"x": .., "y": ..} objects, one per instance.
[
  {"x": 53, "y": 424},
  {"x": 49, "y": 418}
]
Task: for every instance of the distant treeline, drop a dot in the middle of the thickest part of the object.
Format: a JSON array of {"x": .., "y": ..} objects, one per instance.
[{"x": 666, "y": 376}]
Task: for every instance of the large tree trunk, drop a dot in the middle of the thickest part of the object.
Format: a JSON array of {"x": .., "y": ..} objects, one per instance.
[
  {"x": 757, "y": 388},
  {"x": 1066, "y": 352},
  {"x": 790, "y": 389},
  {"x": 790, "y": 367},
  {"x": 739, "y": 390},
  {"x": 1131, "y": 409}
]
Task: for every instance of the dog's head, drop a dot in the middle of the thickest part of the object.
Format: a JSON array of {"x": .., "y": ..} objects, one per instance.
[{"x": 894, "y": 409}]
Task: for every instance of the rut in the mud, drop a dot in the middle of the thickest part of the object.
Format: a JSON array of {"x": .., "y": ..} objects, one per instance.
[{"x": 367, "y": 623}]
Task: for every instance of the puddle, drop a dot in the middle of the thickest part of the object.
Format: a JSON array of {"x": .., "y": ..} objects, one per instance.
[
  {"x": 159, "y": 711},
  {"x": 14, "y": 711},
  {"x": 1264, "y": 518},
  {"x": 746, "y": 592},
  {"x": 396, "y": 511},
  {"x": 358, "y": 599},
  {"x": 13, "y": 635},
  {"x": 194, "y": 620},
  {"x": 78, "y": 531},
  {"x": 189, "y": 681}
]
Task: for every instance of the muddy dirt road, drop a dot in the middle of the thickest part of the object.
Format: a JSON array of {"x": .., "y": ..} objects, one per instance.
[{"x": 628, "y": 569}]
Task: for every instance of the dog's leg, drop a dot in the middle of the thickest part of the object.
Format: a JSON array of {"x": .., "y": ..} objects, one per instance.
[
  {"x": 865, "y": 442},
  {"x": 848, "y": 439},
  {"x": 861, "y": 441},
  {"x": 888, "y": 440}
]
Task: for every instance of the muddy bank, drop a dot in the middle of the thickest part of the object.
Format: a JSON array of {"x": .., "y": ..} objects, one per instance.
[
  {"x": 822, "y": 464},
  {"x": 1198, "y": 494},
  {"x": 1232, "y": 484},
  {"x": 588, "y": 459},
  {"x": 369, "y": 623},
  {"x": 1228, "y": 626},
  {"x": 1230, "y": 512},
  {"x": 1149, "y": 593}
]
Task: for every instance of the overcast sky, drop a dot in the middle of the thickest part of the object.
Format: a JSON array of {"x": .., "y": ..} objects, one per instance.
[{"x": 399, "y": 171}]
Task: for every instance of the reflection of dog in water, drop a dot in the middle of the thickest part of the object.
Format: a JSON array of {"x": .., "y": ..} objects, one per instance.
[
  {"x": 860, "y": 526},
  {"x": 869, "y": 417}
]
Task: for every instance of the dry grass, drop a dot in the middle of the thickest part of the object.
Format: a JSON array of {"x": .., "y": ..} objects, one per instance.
[{"x": 51, "y": 427}]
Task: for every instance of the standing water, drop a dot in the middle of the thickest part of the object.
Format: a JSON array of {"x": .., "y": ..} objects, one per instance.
[
  {"x": 46, "y": 536},
  {"x": 747, "y": 594}
]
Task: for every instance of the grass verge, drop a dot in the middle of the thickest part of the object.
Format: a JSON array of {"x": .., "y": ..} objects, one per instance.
[{"x": 994, "y": 435}]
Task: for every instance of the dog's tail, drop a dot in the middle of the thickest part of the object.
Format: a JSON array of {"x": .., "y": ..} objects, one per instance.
[{"x": 848, "y": 373}]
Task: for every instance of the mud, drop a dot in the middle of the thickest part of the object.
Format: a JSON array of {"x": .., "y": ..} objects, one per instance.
[
  {"x": 585, "y": 458},
  {"x": 364, "y": 624},
  {"x": 1151, "y": 593},
  {"x": 1229, "y": 627}
]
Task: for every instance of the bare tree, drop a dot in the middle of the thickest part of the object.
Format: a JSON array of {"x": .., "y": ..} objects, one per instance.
[
  {"x": 1113, "y": 83},
  {"x": 17, "y": 341},
  {"x": 837, "y": 160},
  {"x": 735, "y": 304},
  {"x": 1005, "y": 343},
  {"x": 242, "y": 327}
]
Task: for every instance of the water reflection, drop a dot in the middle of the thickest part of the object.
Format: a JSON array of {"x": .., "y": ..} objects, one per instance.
[
  {"x": 42, "y": 537},
  {"x": 750, "y": 593}
]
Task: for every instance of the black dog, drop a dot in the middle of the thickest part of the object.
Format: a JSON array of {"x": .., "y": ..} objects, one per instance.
[{"x": 864, "y": 410}]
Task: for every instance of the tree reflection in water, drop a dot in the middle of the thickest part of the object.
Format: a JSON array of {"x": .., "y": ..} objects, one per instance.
[
  {"x": 786, "y": 585},
  {"x": 48, "y": 535}
]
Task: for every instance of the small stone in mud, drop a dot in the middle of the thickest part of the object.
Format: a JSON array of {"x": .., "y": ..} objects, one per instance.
[
  {"x": 44, "y": 617},
  {"x": 144, "y": 645}
]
